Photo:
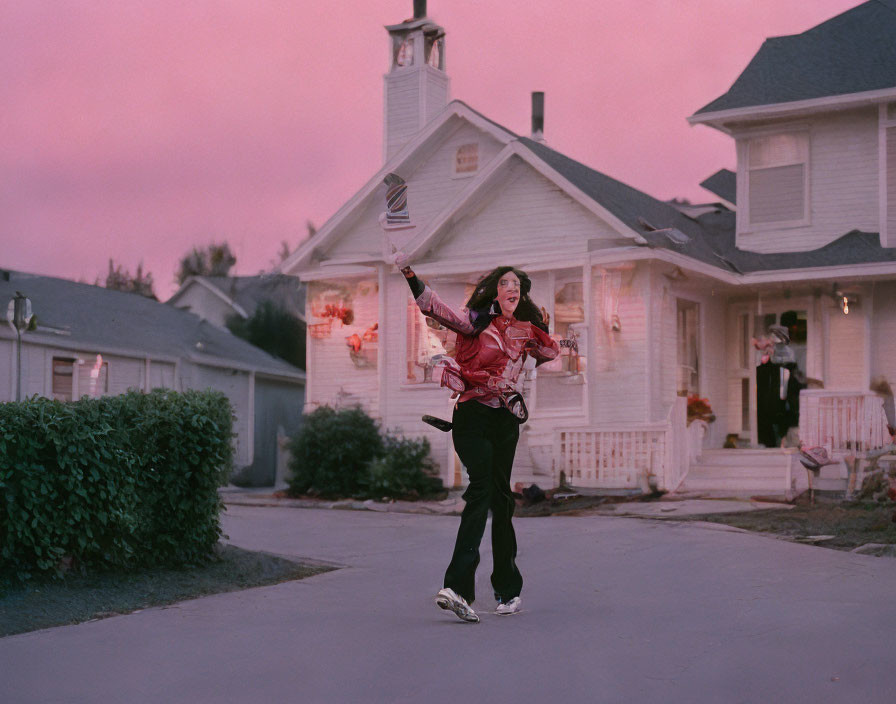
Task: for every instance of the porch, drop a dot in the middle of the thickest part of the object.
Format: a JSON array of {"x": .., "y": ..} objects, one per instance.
[{"x": 670, "y": 456}]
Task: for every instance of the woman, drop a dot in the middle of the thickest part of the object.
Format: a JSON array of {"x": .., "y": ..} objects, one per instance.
[{"x": 499, "y": 329}]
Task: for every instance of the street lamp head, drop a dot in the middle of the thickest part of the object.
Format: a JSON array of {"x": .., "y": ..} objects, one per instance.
[{"x": 19, "y": 312}]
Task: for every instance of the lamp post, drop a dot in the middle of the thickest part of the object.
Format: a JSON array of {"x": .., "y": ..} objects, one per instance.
[{"x": 18, "y": 313}]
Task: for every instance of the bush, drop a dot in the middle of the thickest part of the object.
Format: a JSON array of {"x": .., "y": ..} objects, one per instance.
[
  {"x": 405, "y": 470},
  {"x": 331, "y": 451},
  {"x": 340, "y": 453},
  {"x": 123, "y": 481}
]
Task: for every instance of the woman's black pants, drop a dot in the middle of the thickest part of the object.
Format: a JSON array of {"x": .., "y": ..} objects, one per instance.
[{"x": 485, "y": 440}]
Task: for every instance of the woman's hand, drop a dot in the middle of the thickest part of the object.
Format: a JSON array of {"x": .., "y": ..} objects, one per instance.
[
  {"x": 545, "y": 317},
  {"x": 402, "y": 261}
]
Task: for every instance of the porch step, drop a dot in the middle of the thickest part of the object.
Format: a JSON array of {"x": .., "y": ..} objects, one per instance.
[{"x": 740, "y": 472}]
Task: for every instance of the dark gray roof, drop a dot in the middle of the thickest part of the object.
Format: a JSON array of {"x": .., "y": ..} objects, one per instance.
[
  {"x": 100, "y": 319},
  {"x": 853, "y": 248},
  {"x": 723, "y": 183},
  {"x": 711, "y": 237},
  {"x": 249, "y": 291},
  {"x": 850, "y": 53}
]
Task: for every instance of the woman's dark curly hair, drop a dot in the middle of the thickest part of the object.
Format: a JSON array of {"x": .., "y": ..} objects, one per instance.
[{"x": 485, "y": 293}]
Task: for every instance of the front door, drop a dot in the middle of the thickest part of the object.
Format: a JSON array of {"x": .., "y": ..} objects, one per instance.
[{"x": 751, "y": 409}]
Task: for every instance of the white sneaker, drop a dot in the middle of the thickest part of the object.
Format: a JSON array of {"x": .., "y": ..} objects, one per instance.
[
  {"x": 513, "y": 606},
  {"x": 450, "y": 600}
]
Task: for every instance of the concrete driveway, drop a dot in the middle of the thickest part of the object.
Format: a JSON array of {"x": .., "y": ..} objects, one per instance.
[{"x": 616, "y": 610}]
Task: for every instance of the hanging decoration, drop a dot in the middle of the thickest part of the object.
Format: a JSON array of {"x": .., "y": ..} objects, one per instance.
[{"x": 362, "y": 349}]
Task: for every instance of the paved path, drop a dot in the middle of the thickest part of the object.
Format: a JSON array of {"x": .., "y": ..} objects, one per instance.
[{"x": 616, "y": 610}]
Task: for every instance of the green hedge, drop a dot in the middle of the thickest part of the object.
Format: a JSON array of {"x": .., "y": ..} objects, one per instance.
[
  {"x": 123, "y": 481},
  {"x": 341, "y": 452}
]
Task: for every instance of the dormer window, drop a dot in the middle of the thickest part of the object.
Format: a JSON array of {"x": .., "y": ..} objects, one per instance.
[
  {"x": 777, "y": 180},
  {"x": 466, "y": 159}
]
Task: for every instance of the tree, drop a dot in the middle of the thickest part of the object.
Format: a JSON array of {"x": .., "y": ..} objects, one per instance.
[
  {"x": 273, "y": 329},
  {"x": 213, "y": 260},
  {"x": 285, "y": 251},
  {"x": 120, "y": 279}
]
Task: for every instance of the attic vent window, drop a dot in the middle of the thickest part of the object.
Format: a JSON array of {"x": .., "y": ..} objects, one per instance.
[{"x": 466, "y": 159}]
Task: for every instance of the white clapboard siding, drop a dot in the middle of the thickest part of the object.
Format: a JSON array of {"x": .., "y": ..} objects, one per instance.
[
  {"x": 124, "y": 373},
  {"x": 7, "y": 370},
  {"x": 431, "y": 186},
  {"x": 883, "y": 357},
  {"x": 714, "y": 362},
  {"x": 403, "y": 119},
  {"x": 843, "y": 184},
  {"x": 236, "y": 387},
  {"x": 161, "y": 375},
  {"x": 620, "y": 392},
  {"x": 336, "y": 377},
  {"x": 890, "y": 186},
  {"x": 713, "y": 354},
  {"x": 524, "y": 212},
  {"x": 846, "y": 368}
]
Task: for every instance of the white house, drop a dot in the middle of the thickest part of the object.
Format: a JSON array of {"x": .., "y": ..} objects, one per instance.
[
  {"x": 218, "y": 298},
  {"x": 91, "y": 342},
  {"x": 663, "y": 299}
]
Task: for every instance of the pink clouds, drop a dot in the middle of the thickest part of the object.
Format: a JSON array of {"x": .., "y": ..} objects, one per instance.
[{"x": 137, "y": 130}]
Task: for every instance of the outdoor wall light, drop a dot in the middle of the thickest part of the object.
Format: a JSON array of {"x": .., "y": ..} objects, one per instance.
[{"x": 845, "y": 300}]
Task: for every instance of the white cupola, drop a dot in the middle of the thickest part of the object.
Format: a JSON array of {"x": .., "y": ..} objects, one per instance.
[{"x": 416, "y": 86}]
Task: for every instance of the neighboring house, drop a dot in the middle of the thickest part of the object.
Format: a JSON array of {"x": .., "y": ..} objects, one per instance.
[
  {"x": 663, "y": 298},
  {"x": 217, "y": 298},
  {"x": 92, "y": 342}
]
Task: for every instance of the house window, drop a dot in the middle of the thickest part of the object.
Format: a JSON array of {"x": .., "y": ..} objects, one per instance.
[
  {"x": 466, "y": 159},
  {"x": 63, "y": 376},
  {"x": 559, "y": 383},
  {"x": 777, "y": 178},
  {"x": 688, "y": 317},
  {"x": 93, "y": 377}
]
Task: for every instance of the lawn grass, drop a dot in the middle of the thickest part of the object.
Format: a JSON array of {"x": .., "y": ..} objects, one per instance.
[
  {"x": 850, "y": 523},
  {"x": 78, "y": 598}
]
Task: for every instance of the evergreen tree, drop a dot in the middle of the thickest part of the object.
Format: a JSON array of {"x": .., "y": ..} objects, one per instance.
[
  {"x": 120, "y": 279},
  {"x": 213, "y": 260},
  {"x": 275, "y": 330}
]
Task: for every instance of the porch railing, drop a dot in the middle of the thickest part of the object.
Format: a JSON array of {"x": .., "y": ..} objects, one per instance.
[
  {"x": 843, "y": 421},
  {"x": 622, "y": 457}
]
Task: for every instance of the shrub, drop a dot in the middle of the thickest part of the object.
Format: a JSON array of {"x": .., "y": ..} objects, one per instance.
[
  {"x": 331, "y": 451},
  {"x": 405, "y": 470},
  {"x": 123, "y": 481}
]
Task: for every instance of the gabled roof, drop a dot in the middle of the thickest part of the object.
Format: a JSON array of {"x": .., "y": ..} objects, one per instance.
[
  {"x": 372, "y": 189},
  {"x": 722, "y": 183},
  {"x": 854, "y": 52},
  {"x": 246, "y": 293},
  {"x": 96, "y": 319},
  {"x": 710, "y": 237}
]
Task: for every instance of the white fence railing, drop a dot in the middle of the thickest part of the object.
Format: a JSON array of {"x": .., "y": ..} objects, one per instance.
[
  {"x": 843, "y": 420},
  {"x": 622, "y": 457}
]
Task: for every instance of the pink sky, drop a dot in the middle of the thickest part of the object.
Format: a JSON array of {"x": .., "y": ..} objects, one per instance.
[{"x": 136, "y": 130}]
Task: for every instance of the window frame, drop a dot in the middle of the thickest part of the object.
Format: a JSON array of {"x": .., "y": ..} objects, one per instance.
[{"x": 745, "y": 139}]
